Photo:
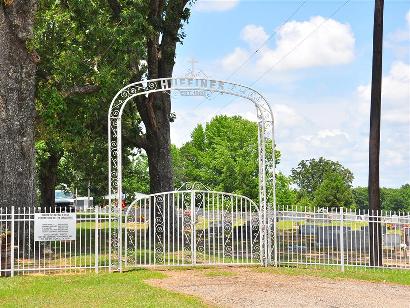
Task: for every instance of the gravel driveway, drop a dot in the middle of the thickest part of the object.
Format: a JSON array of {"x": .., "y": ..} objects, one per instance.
[{"x": 245, "y": 287}]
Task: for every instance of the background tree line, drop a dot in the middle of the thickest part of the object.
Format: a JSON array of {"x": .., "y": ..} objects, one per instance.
[{"x": 222, "y": 155}]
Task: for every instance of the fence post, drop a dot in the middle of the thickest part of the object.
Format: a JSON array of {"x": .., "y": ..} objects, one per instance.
[
  {"x": 193, "y": 228},
  {"x": 12, "y": 242},
  {"x": 96, "y": 239},
  {"x": 275, "y": 235},
  {"x": 342, "y": 251}
]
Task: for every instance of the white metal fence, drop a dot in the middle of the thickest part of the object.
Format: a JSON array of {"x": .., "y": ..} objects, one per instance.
[
  {"x": 342, "y": 238},
  {"x": 21, "y": 253},
  {"x": 202, "y": 228},
  {"x": 192, "y": 228}
]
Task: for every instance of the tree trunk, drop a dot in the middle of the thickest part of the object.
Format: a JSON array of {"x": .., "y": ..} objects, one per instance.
[
  {"x": 155, "y": 112},
  {"x": 166, "y": 17},
  {"x": 17, "y": 109},
  {"x": 159, "y": 148},
  {"x": 48, "y": 180},
  {"x": 375, "y": 231}
]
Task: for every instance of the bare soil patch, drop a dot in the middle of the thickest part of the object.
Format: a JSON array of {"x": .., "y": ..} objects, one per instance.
[{"x": 245, "y": 287}]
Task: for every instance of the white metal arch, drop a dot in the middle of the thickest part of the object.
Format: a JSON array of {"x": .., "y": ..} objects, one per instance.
[{"x": 194, "y": 86}]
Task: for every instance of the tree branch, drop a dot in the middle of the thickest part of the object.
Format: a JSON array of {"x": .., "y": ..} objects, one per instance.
[
  {"x": 172, "y": 24},
  {"x": 141, "y": 142},
  {"x": 115, "y": 8}
]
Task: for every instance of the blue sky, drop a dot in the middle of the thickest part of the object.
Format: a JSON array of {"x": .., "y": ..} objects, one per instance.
[{"x": 316, "y": 75}]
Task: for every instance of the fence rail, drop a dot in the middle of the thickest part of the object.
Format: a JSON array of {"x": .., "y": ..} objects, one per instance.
[
  {"x": 214, "y": 228},
  {"x": 342, "y": 238},
  {"x": 21, "y": 253},
  {"x": 192, "y": 228}
]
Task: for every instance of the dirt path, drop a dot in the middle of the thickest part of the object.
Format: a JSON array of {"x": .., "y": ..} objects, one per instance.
[{"x": 244, "y": 287}]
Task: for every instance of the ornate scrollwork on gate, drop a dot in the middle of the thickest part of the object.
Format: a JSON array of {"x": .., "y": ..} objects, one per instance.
[
  {"x": 159, "y": 229},
  {"x": 193, "y": 186},
  {"x": 255, "y": 238},
  {"x": 227, "y": 226},
  {"x": 199, "y": 234},
  {"x": 187, "y": 227},
  {"x": 265, "y": 118}
]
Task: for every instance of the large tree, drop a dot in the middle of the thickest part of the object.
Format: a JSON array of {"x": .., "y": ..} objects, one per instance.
[
  {"x": 376, "y": 253},
  {"x": 334, "y": 192},
  {"x": 310, "y": 174},
  {"x": 82, "y": 66},
  {"x": 166, "y": 19},
  {"x": 223, "y": 155},
  {"x": 17, "y": 87}
]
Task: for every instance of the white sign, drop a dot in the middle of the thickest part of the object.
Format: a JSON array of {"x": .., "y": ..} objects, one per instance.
[{"x": 54, "y": 227}]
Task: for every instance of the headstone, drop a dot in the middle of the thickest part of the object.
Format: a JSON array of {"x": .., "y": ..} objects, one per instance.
[
  {"x": 391, "y": 241},
  {"x": 357, "y": 241},
  {"x": 329, "y": 236},
  {"x": 308, "y": 230},
  {"x": 406, "y": 232}
]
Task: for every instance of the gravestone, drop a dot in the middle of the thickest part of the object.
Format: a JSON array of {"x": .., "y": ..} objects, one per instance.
[
  {"x": 329, "y": 236},
  {"x": 391, "y": 241},
  {"x": 308, "y": 230},
  {"x": 357, "y": 241}
]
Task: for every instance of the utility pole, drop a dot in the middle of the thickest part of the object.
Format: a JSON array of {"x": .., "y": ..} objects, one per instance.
[{"x": 375, "y": 231}]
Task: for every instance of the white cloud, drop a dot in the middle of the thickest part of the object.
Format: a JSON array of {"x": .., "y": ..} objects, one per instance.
[
  {"x": 255, "y": 36},
  {"x": 395, "y": 95},
  {"x": 331, "y": 44},
  {"x": 395, "y": 126},
  {"x": 237, "y": 56},
  {"x": 393, "y": 158},
  {"x": 398, "y": 41},
  {"x": 313, "y": 43},
  {"x": 327, "y": 139},
  {"x": 215, "y": 5},
  {"x": 286, "y": 117}
]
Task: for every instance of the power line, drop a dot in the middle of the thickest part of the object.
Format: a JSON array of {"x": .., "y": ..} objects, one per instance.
[
  {"x": 112, "y": 42},
  {"x": 259, "y": 48},
  {"x": 301, "y": 42},
  {"x": 292, "y": 50},
  {"x": 266, "y": 41}
]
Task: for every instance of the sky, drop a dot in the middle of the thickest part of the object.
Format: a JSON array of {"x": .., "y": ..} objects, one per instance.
[{"x": 312, "y": 61}]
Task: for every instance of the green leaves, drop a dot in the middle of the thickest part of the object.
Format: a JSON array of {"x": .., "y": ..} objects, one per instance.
[
  {"x": 310, "y": 174},
  {"x": 223, "y": 156},
  {"x": 333, "y": 192},
  {"x": 323, "y": 183},
  {"x": 80, "y": 44},
  {"x": 391, "y": 199},
  {"x": 285, "y": 195}
]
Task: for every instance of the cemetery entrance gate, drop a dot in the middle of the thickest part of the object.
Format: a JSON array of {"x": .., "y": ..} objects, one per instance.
[{"x": 192, "y": 225}]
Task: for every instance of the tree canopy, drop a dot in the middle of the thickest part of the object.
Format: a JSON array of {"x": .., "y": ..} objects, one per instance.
[
  {"x": 391, "y": 199},
  {"x": 319, "y": 179},
  {"x": 82, "y": 65},
  {"x": 334, "y": 191},
  {"x": 223, "y": 155},
  {"x": 309, "y": 174}
]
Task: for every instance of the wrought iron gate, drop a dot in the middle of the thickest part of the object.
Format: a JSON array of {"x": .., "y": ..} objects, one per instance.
[{"x": 191, "y": 227}]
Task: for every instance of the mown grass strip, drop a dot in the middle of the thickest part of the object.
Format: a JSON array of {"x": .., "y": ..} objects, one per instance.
[
  {"x": 401, "y": 277},
  {"x": 89, "y": 290}
]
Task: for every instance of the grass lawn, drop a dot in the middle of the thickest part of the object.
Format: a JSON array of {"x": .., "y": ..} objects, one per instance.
[
  {"x": 89, "y": 290},
  {"x": 287, "y": 225},
  {"x": 375, "y": 275},
  {"x": 129, "y": 289}
]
